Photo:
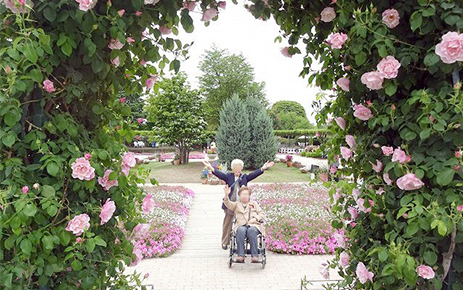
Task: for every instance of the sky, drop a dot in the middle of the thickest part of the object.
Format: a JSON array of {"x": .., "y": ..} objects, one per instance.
[{"x": 239, "y": 32}]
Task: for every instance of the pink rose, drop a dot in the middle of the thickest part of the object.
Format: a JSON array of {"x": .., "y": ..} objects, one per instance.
[
  {"x": 399, "y": 155},
  {"x": 140, "y": 230},
  {"x": 138, "y": 256},
  {"x": 340, "y": 240},
  {"x": 333, "y": 170},
  {"x": 457, "y": 154},
  {"x": 380, "y": 191},
  {"x": 343, "y": 83},
  {"x": 129, "y": 159},
  {"x": 344, "y": 259},
  {"x": 116, "y": 62},
  {"x": 324, "y": 271},
  {"x": 355, "y": 193},
  {"x": 337, "y": 40},
  {"x": 140, "y": 120},
  {"x": 151, "y": 81},
  {"x": 147, "y": 275},
  {"x": 79, "y": 239},
  {"x": 353, "y": 212},
  {"x": 130, "y": 40},
  {"x": 363, "y": 113},
  {"x": 78, "y": 224},
  {"x": 387, "y": 179},
  {"x": 222, "y": 4},
  {"x": 409, "y": 182},
  {"x": 143, "y": 62},
  {"x": 460, "y": 207},
  {"x": 125, "y": 170},
  {"x": 336, "y": 195},
  {"x": 391, "y": 18},
  {"x": 373, "y": 80},
  {"x": 82, "y": 169},
  {"x": 148, "y": 203},
  {"x": 190, "y": 5},
  {"x": 388, "y": 67},
  {"x": 138, "y": 13},
  {"x": 118, "y": 127},
  {"x": 378, "y": 166},
  {"x": 350, "y": 140},
  {"x": 18, "y": 6},
  {"x": 363, "y": 274},
  {"x": 105, "y": 182},
  {"x": 392, "y": 107},
  {"x": 450, "y": 49},
  {"x": 122, "y": 100},
  {"x": 425, "y": 272},
  {"x": 164, "y": 30},
  {"x": 341, "y": 122},
  {"x": 88, "y": 156},
  {"x": 285, "y": 52},
  {"x": 86, "y": 5},
  {"x": 209, "y": 14},
  {"x": 387, "y": 150},
  {"x": 346, "y": 153},
  {"x": 107, "y": 211},
  {"x": 361, "y": 205},
  {"x": 328, "y": 14},
  {"x": 48, "y": 86},
  {"x": 115, "y": 44},
  {"x": 36, "y": 186},
  {"x": 25, "y": 189},
  {"x": 121, "y": 12}
]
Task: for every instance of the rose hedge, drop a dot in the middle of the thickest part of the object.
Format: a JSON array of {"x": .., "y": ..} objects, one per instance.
[
  {"x": 395, "y": 67},
  {"x": 67, "y": 190}
]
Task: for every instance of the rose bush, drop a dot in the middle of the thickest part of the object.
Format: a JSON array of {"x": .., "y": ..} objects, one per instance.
[
  {"x": 404, "y": 108},
  {"x": 67, "y": 189}
]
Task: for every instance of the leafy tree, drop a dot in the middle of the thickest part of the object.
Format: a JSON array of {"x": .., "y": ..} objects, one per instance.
[
  {"x": 224, "y": 75},
  {"x": 177, "y": 114},
  {"x": 233, "y": 135},
  {"x": 262, "y": 146},
  {"x": 289, "y": 115}
]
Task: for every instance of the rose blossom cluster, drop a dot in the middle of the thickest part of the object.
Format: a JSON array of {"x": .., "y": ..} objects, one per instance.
[
  {"x": 18, "y": 6},
  {"x": 387, "y": 68}
]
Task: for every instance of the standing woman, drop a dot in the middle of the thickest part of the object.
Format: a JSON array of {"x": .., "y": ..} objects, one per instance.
[{"x": 234, "y": 180}]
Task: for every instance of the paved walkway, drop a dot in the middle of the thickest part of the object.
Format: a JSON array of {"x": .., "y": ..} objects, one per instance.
[{"x": 202, "y": 264}]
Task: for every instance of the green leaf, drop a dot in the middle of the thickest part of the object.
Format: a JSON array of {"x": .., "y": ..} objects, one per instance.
[
  {"x": 90, "y": 245},
  {"x": 391, "y": 88},
  {"x": 441, "y": 228},
  {"x": 26, "y": 246},
  {"x": 99, "y": 241},
  {"x": 416, "y": 20},
  {"x": 64, "y": 237},
  {"x": 12, "y": 117},
  {"x": 360, "y": 58},
  {"x": 30, "y": 209},
  {"x": 30, "y": 53},
  {"x": 50, "y": 14},
  {"x": 52, "y": 168},
  {"x": 66, "y": 49},
  {"x": 425, "y": 133},
  {"x": 445, "y": 176},
  {"x": 97, "y": 109},
  {"x": 431, "y": 59},
  {"x": 430, "y": 258},
  {"x": 48, "y": 242},
  {"x": 76, "y": 265},
  {"x": 36, "y": 75},
  {"x": 48, "y": 191}
]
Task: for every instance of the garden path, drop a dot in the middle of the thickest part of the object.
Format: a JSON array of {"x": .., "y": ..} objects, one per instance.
[{"x": 202, "y": 264}]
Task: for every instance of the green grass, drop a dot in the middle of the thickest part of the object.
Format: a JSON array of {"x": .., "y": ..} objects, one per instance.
[{"x": 165, "y": 172}]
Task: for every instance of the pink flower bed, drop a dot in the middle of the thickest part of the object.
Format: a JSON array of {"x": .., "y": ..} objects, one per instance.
[
  {"x": 164, "y": 228},
  {"x": 298, "y": 218},
  {"x": 193, "y": 155}
]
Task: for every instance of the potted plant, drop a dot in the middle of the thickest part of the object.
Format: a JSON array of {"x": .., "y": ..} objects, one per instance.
[
  {"x": 204, "y": 175},
  {"x": 289, "y": 160},
  {"x": 177, "y": 159},
  {"x": 297, "y": 164},
  {"x": 213, "y": 180}
]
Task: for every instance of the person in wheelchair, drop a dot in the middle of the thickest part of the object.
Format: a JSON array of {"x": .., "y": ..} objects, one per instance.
[{"x": 248, "y": 224}]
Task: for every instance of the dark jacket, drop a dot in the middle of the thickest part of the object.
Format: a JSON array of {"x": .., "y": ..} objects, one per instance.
[{"x": 229, "y": 179}]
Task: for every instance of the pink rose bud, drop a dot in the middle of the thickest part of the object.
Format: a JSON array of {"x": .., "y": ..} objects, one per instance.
[
  {"x": 7, "y": 22},
  {"x": 117, "y": 127},
  {"x": 138, "y": 13},
  {"x": 143, "y": 62},
  {"x": 393, "y": 107},
  {"x": 79, "y": 239},
  {"x": 140, "y": 120},
  {"x": 369, "y": 103},
  {"x": 36, "y": 186},
  {"x": 130, "y": 40},
  {"x": 147, "y": 275},
  {"x": 122, "y": 100},
  {"x": 88, "y": 156},
  {"x": 376, "y": 145},
  {"x": 457, "y": 154},
  {"x": 460, "y": 207},
  {"x": 405, "y": 215},
  {"x": 109, "y": 3},
  {"x": 127, "y": 75},
  {"x": 457, "y": 85},
  {"x": 48, "y": 86},
  {"x": 456, "y": 167},
  {"x": 431, "y": 118},
  {"x": 8, "y": 70},
  {"x": 121, "y": 12},
  {"x": 25, "y": 189},
  {"x": 222, "y": 4},
  {"x": 347, "y": 68}
]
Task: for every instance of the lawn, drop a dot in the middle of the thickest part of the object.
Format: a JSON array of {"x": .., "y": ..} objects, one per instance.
[{"x": 165, "y": 172}]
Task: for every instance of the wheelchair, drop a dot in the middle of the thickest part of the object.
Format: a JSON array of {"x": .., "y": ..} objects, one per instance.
[{"x": 247, "y": 248}]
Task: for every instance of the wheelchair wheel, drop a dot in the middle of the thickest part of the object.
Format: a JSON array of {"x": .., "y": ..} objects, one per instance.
[
  {"x": 230, "y": 262},
  {"x": 264, "y": 261}
]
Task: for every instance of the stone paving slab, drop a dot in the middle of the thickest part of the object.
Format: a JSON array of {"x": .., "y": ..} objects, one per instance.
[{"x": 202, "y": 264}]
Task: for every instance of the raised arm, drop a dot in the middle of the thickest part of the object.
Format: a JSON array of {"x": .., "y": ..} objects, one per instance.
[
  {"x": 214, "y": 171},
  {"x": 231, "y": 205},
  {"x": 259, "y": 171}
]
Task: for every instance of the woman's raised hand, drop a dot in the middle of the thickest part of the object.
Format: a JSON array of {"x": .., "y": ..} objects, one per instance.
[
  {"x": 227, "y": 190},
  {"x": 208, "y": 165},
  {"x": 267, "y": 165}
]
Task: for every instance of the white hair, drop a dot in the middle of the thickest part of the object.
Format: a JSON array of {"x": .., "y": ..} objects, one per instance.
[{"x": 237, "y": 162}]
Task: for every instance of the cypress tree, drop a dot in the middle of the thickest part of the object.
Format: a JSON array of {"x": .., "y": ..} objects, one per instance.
[{"x": 233, "y": 136}]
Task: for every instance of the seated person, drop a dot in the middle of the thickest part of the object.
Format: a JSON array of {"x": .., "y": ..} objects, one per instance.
[{"x": 249, "y": 219}]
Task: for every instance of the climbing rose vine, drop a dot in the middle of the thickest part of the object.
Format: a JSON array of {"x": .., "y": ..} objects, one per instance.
[
  {"x": 395, "y": 69},
  {"x": 68, "y": 189}
]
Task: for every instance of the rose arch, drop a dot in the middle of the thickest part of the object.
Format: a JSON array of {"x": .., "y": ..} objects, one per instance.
[{"x": 69, "y": 195}]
